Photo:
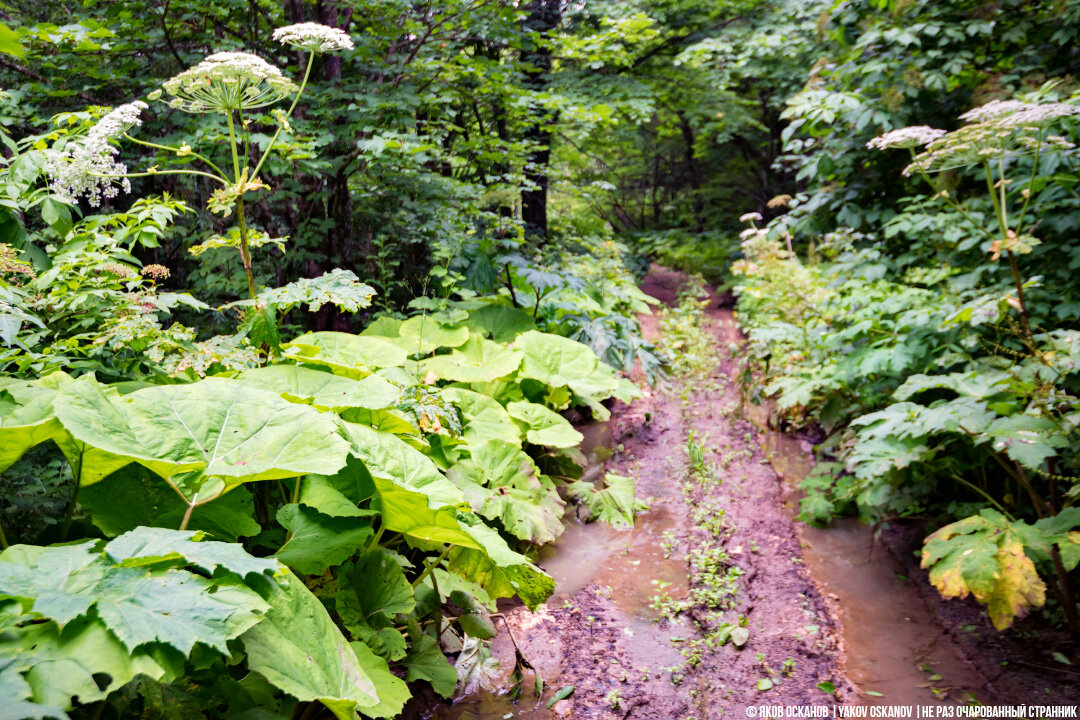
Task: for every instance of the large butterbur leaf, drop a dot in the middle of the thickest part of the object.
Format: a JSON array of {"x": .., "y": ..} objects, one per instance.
[
  {"x": 323, "y": 390},
  {"x": 483, "y": 416},
  {"x": 371, "y": 592},
  {"x": 500, "y": 571},
  {"x": 216, "y": 428},
  {"x": 425, "y": 334},
  {"x": 354, "y": 356},
  {"x": 135, "y": 496},
  {"x": 501, "y": 322},
  {"x": 140, "y": 602},
  {"x": 478, "y": 360},
  {"x": 561, "y": 362},
  {"x": 543, "y": 426},
  {"x": 317, "y": 541},
  {"x": 81, "y": 620},
  {"x": 299, "y": 649},
  {"x": 26, "y": 418},
  {"x": 502, "y": 483}
]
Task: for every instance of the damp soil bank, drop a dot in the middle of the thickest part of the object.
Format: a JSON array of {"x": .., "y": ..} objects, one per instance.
[{"x": 831, "y": 620}]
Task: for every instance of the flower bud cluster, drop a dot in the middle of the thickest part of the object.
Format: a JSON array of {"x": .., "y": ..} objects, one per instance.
[
  {"x": 228, "y": 81},
  {"x": 89, "y": 167}
]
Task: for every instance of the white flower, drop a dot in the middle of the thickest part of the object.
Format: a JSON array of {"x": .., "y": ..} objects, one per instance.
[
  {"x": 992, "y": 110},
  {"x": 228, "y": 81},
  {"x": 314, "y": 37},
  {"x": 750, "y": 217},
  {"x": 908, "y": 137},
  {"x": 89, "y": 167}
]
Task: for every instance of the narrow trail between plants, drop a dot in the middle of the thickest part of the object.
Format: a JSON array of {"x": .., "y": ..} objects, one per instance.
[{"x": 720, "y": 544}]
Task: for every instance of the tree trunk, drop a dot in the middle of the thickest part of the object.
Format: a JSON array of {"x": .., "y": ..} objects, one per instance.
[{"x": 544, "y": 16}]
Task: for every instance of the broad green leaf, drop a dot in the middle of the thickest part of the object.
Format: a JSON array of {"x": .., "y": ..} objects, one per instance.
[
  {"x": 323, "y": 390},
  {"x": 370, "y": 593},
  {"x": 140, "y": 605},
  {"x": 337, "y": 287},
  {"x": 500, "y": 571},
  {"x": 543, "y": 426},
  {"x": 10, "y": 44},
  {"x": 151, "y": 546},
  {"x": 426, "y": 661},
  {"x": 484, "y": 417},
  {"x": 980, "y": 385},
  {"x": 393, "y": 692},
  {"x": 218, "y": 427},
  {"x": 983, "y": 556},
  {"x": 561, "y": 362},
  {"x": 299, "y": 649},
  {"x": 134, "y": 496},
  {"x": 26, "y": 418},
  {"x": 478, "y": 360},
  {"x": 501, "y": 322},
  {"x": 18, "y": 694},
  {"x": 62, "y": 667},
  {"x": 354, "y": 356},
  {"x": 387, "y": 457},
  {"x": 423, "y": 334},
  {"x": 616, "y": 504},
  {"x": 502, "y": 483},
  {"x": 338, "y": 495},
  {"x": 1026, "y": 439},
  {"x": 318, "y": 541}
]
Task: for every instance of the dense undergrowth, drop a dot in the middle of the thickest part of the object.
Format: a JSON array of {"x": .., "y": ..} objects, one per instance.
[{"x": 267, "y": 522}]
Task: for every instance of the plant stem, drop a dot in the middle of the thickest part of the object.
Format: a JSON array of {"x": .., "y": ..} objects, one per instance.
[
  {"x": 245, "y": 251},
  {"x": 187, "y": 516},
  {"x": 1065, "y": 593},
  {"x": 177, "y": 151},
  {"x": 147, "y": 173},
  {"x": 3, "y": 539},
  {"x": 431, "y": 566},
  {"x": 288, "y": 114}
]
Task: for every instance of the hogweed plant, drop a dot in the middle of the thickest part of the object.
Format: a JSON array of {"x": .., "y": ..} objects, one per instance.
[
  {"x": 993, "y": 555},
  {"x": 994, "y": 135},
  {"x": 230, "y": 84}
]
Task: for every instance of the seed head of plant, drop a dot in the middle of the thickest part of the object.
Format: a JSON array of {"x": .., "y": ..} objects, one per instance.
[
  {"x": 908, "y": 137},
  {"x": 88, "y": 167},
  {"x": 228, "y": 81},
  {"x": 314, "y": 37}
]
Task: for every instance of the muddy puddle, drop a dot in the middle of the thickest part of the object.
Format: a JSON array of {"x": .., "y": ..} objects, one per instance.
[{"x": 896, "y": 653}]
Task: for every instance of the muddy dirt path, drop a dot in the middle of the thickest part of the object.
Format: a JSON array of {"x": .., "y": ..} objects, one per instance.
[{"x": 720, "y": 541}]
